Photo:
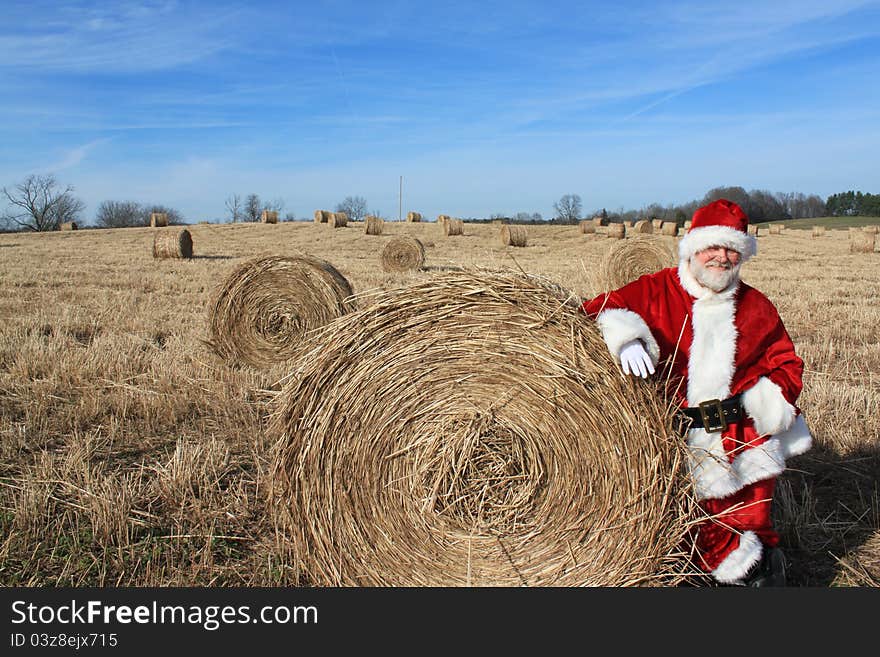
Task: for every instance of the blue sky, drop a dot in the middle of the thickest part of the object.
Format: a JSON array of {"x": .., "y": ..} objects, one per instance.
[{"x": 481, "y": 107}]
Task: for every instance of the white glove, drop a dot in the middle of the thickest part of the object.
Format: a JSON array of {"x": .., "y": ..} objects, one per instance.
[{"x": 635, "y": 360}]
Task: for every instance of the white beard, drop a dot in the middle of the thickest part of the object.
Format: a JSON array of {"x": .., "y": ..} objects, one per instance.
[{"x": 717, "y": 281}]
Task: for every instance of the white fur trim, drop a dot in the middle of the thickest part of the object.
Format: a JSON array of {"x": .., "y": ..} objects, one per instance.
[
  {"x": 769, "y": 409},
  {"x": 697, "y": 239},
  {"x": 738, "y": 563},
  {"x": 760, "y": 462},
  {"x": 711, "y": 359},
  {"x": 712, "y": 475},
  {"x": 619, "y": 326},
  {"x": 797, "y": 439}
]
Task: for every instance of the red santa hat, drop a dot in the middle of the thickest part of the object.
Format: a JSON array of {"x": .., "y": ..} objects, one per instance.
[{"x": 720, "y": 223}]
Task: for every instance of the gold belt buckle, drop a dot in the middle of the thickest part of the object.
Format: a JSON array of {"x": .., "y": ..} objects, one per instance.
[{"x": 705, "y": 408}]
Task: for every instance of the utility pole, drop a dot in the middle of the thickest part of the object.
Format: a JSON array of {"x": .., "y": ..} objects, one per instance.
[{"x": 400, "y": 201}]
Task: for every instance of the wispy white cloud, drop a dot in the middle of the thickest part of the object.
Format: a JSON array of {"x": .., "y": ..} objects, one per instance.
[{"x": 74, "y": 156}]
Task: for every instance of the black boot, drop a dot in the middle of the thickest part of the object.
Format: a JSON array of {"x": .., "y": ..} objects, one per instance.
[{"x": 770, "y": 571}]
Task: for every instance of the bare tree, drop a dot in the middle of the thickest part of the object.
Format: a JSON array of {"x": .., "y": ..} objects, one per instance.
[
  {"x": 233, "y": 207},
  {"x": 252, "y": 208},
  {"x": 39, "y": 204},
  {"x": 119, "y": 214},
  {"x": 355, "y": 207},
  {"x": 568, "y": 208},
  {"x": 276, "y": 205}
]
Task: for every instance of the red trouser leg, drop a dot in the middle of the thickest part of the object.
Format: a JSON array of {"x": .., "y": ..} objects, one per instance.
[{"x": 746, "y": 510}]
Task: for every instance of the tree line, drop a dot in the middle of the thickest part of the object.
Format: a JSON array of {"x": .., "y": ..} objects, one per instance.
[{"x": 41, "y": 203}]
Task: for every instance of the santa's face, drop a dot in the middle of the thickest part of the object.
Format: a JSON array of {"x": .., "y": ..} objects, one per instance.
[{"x": 716, "y": 267}]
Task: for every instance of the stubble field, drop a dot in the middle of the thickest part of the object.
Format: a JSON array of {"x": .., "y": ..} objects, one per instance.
[{"x": 131, "y": 455}]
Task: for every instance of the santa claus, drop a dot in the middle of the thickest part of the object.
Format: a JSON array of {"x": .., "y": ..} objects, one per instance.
[{"x": 737, "y": 378}]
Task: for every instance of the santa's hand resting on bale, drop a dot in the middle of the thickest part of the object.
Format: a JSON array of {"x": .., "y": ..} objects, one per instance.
[{"x": 736, "y": 375}]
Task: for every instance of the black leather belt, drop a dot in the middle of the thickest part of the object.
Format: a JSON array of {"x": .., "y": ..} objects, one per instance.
[{"x": 714, "y": 414}]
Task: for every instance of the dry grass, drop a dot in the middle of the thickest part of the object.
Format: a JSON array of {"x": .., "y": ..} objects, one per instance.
[{"x": 130, "y": 455}]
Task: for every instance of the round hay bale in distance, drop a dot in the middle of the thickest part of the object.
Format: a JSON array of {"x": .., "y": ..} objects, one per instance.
[
  {"x": 871, "y": 229},
  {"x": 643, "y": 227},
  {"x": 373, "y": 225},
  {"x": 473, "y": 430},
  {"x": 669, "y": 228},
  {"x": 322, "y": 216},
  {"x": 158, "y": 219},
  {"x": 403, "y": 254},
  {"x": 514, "y": 235},
  {"x": 587, "y": 226},
  {"x": 775, "y": 229},
  {"x": 861, "y": 242},
  {"x": 269, "y": 217},
  {"x": 753, "y": 230},
  {"x": 262, "y": 311},
  {"x": 657, "y": 224},
  {"x": 173, "y": 244},
  {"x": 628, "y": 259},
  {"x": 818, "y": 231},
  {"x": 616, "y": 231},
  {"x": 453, "y": 227},
  {"x": 68, "y": 225},
  {"x": 413, "y": 216},
  {"x": 337, "y": 220}
]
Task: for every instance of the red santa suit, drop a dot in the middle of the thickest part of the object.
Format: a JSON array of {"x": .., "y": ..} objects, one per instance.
[{"x": 719, "y": 344}]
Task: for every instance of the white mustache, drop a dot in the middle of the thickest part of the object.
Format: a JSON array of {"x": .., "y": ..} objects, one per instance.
[{"x": 718, "y": 263}]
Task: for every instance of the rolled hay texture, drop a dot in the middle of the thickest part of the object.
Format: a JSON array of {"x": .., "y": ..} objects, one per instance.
[
  {"x": 643, "y": 227},
  {"x": 587, "y": 226},
  {"x": 669, "y": 228},
  {"x": 269, "y": 217},
  {"x": 628, "y": 259},
  {"x": 262, "y": 311},
  {"x": 158, "y": 219},
  {"x": 862, "y": 566},
  {"x": 337, "y": 220},
  {"x": 173, "y": 244},
  {"x": 474, "y": 430},
  {"x": 616, "y": 231},
  {"x": 657, "y": 224},
  {"x": 322, "y": 216},
  {"x": 861, "y": 242},
  {"x": 775, "y": 229},
  {"x": 599, "y": 221},
  {"x": 453, "y": 227},
  {"x": 818, "y": 231},
  {"x": 68, "y": 225},
  {"x": 403, "y": 254},
  {"x": 513, "y": 235},
  {"x": 374, "y": 225},
  {"x": 413, "y": 216}
]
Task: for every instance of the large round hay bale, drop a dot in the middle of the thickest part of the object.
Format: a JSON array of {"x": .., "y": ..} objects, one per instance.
[
  {"x": 514, "y": 235},
  {"x": 322, "y": 216},
  {"x": 657, "y": 225},
  {"x": 374, "y": 225},
  {"x": 669, "y": 228},
  {"x": 818, "y": 231},
  {"x": 262, "y": 311},
  {"x": 172, "y": 244},
  {"x": 337, "y": 220},
  {"x": 643, "y": 227},
  {"x": 587, "y": 226},
  {"x": 158, "y": 219},
  {"x": 861, "y": 242},
  {"x": 616, "y": 231},
  {"x": 628, "y": 259},
  {"x": 403, "y": 254},
  {"x": 68, "y": 225},
  {"x": 473, "y": 430},
  {"x": 413, "y": 216},
  {"x": 453, "y": 227}
]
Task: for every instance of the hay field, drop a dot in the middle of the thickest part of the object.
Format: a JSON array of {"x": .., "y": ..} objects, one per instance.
[{"x": 130, "y": 454}]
